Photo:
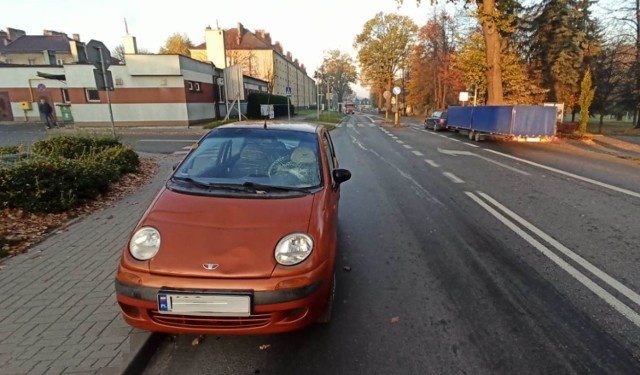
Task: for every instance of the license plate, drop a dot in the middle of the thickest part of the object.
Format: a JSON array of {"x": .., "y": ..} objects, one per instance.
[{"x": 204, "y": 304}]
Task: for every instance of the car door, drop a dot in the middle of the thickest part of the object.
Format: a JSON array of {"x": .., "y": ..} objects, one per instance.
[{"x": 333, "y": 188}]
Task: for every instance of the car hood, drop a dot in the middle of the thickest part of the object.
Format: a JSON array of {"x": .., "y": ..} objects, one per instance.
[{"x": 238, "y": 235}]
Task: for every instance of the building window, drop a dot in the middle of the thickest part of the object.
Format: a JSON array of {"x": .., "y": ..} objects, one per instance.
[
  {"x": 32, "y": 61},
  {"x": 93, "y": 95},
  {"x": 196, "y": 86},
  {"x": 190, "y": 85},
  {"x": 8, "y": 61},
  {"x": 65, "y": 95},
  {"x": 60, "y": 62}
]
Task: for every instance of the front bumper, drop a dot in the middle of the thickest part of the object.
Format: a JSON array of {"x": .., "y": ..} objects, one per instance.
[{"x": 273, "y": 309}]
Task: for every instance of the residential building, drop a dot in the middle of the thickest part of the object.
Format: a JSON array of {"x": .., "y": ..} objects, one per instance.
[
  {"x": 260, "y": 58},
  {"x": 50, "y": 48}
]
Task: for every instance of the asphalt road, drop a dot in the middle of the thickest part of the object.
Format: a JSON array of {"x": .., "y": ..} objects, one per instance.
[{"x": 463, "y": 258}]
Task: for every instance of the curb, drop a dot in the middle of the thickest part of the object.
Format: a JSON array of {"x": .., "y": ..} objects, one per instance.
[{"x": 143, "y": 354}]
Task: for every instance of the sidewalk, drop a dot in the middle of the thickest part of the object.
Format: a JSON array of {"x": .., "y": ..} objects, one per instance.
[{"x": 58, "y": 312}]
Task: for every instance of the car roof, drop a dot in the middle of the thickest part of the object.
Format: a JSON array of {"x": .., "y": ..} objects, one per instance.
[{"x": 306, "y": 127}]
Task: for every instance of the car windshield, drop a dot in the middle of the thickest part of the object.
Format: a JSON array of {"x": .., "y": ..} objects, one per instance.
[
  {"x": 436, "y": 114},
  {"x": 251, "y": 158}
]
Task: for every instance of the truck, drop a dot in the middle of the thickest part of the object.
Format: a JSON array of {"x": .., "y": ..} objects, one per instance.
[
  {"x": 349, "y": 107},
  {"x": 524, "y": 123}
]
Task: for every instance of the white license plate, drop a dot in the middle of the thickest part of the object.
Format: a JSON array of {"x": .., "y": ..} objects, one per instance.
[{"x": 204, "y": 304}]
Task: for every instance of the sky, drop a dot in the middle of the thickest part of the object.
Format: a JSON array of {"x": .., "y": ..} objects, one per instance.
[{"x": 305, "y": 28}]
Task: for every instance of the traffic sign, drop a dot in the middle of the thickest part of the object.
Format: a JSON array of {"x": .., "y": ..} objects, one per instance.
[
  {"x": 288, "y": 91},
  {"x": 396, "y": 90},
  {"x": 386, "y": 95},
  {"x": 96, "y": 53}
]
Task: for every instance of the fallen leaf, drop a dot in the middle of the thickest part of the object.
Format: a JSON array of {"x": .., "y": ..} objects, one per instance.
[
  {"x": 265, "y": 346},
  {"x": 197, "y": 340},
  {"x": 347, "y": 268},
  {"x": 395, "y": 319}
]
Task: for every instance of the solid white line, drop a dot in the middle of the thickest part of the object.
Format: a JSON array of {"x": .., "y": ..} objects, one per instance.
[
  {"x": 453, "y": 178},
  {"x": 585, "y": 179},
  {"x": 618, "y": 305},
  {"x": 570, "y": 254},
  {"x": 168, "y": 140},
  {"x": 407, "y": 146},
  {"x": 432, "y": 163},
  {"x": 418, "y": 153}
]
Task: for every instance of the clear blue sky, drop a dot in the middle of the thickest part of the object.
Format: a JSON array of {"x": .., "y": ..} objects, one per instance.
[{"x": 305, "y": 28}]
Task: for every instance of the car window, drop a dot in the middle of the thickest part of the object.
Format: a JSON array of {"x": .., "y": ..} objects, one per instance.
[
  {"x": 254, "y": 155},
  {"x": 436, "y": 114}
]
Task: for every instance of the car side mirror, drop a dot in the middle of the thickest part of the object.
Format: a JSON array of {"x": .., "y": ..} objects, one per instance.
[{"x": 341, "y": 175}]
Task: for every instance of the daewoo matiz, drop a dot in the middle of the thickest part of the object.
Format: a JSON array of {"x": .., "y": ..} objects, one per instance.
[{"x": 241, "y": 239}]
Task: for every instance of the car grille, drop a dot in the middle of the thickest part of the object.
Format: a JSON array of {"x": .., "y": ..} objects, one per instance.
[{"x": 252, "y": 321}]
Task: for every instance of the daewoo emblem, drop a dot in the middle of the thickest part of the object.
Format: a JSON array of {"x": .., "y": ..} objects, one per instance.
[{"x": 210, "y": 266}]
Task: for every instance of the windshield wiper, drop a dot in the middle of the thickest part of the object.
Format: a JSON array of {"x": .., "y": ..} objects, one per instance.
[
  {"x": 191, "y": 181},
  {"x": 272, "y": 187}
]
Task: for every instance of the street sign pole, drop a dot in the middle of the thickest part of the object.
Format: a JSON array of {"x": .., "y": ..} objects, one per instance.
[{"x": 104, "y": 77}]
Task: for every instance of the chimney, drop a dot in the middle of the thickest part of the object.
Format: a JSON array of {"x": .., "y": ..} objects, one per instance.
[
  {"x": 215, "y": 44},
  {"x": 240, "y": 27},
  {"x": 278, "y": 47},
  {"x": 76, "y": 37},
  {"x": 4, "y": 38},
  {"x": 289, "y": 56},
  {"x": 130, "y": 45}
]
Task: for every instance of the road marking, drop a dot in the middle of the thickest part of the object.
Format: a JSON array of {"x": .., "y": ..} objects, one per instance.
[
  {"x": 432, "y": 163},
  {"x": 453, "y": 178},
  {"x": 469, "y": 153},
  {"x": 168, "y": 140},
  {"x": 418, "y": 153},
  {"x": 408, "y": 147},
  {"x": 399, "y": 141},
  {"x": 618, "y": 305},
  {"x": 570, "y": 254},
  {"x": 585, "y": 179},
  {"x": 470, "y": 144}
]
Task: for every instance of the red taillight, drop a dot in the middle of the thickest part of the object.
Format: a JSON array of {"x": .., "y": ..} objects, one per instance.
[{"x": 442, "y": 121}]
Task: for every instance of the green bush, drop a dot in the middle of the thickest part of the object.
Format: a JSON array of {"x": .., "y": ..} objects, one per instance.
[
  {"x": 73, "y": 170},
  {"x": 73, "y": 147},
  {"x": 125, "y": 159}
]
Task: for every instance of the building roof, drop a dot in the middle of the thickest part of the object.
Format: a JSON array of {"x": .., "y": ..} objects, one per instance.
[
  {"x": 243, "y": 39},
  {"x": 38, "y": 43}
]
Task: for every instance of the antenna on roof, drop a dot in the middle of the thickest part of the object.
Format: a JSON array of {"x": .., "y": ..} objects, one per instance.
[{"x": 126, "y": 27}]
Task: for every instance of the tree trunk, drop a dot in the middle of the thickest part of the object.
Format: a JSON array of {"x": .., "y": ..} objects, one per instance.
[
  {"x": 493, "y": 46},
  {"x": 600, "y": 123}
]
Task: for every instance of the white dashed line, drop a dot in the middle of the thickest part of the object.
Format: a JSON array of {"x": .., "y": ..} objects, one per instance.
[
  {"x": 418, "y": 153},
  {"x": 432, "y": 163},
  {"x": 453, "y": 178}
]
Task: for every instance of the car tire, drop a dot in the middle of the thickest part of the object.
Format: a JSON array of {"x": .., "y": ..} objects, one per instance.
[
  {"x": 435, "y": 127},
  {"x": 471, "y": 134},
  {"x": 325, "y": 317},
  {"x": 477, "y": 137}
]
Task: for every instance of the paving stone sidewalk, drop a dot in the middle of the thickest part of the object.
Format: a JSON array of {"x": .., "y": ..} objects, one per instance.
[{"x": 58, "y": 312}]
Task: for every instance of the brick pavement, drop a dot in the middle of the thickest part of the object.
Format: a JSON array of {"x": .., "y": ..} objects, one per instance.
[{"x": 58, "y": 312}]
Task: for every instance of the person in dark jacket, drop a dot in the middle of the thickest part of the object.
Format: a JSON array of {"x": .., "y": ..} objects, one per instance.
[{"x": 46, "y": 112}]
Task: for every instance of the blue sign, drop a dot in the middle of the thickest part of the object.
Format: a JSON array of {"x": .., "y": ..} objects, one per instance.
[{"x": 288, "y": 91}]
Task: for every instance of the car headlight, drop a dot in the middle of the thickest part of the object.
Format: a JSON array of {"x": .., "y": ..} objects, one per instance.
[
  {"x": 293, "y": 249},
  {"x": 145, "y": 243}
]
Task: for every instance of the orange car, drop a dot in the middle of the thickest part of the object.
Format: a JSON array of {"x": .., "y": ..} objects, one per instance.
[{"x": 242, "y": 237}]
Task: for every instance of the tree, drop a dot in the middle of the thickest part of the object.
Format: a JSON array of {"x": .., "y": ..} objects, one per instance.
[
  {"x": 586, "y": 97},
  {"x": 611, "y": 70},
  {"x": 563, "y": 42},
  {"x": 495, "y": 17},
  {"x": 119, "y": 54},
  {"x": 338, "y": 71},
  {"x": 383, "y": 48},
  {"x": 177, "y": 44},
  {"x": 432, "y": 81}
]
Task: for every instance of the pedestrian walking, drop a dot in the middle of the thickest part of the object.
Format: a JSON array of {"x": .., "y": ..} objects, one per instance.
[{"x": 46, "y": 112}]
